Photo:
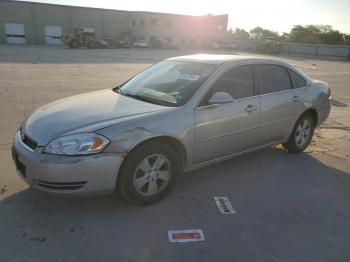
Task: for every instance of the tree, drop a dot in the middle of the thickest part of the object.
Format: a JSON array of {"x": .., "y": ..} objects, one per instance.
[
  {"x": 238, "y": 34},
  {"x": 259, "y": 33},
  {"x": 302, "y": 34},
  {"x": 332, "y": 37},
  {"x": 308, "y": 34},
  {"x": 284, "y": 37},
  {"x": 241, "y": 34},
  {"x": 346, "y": 39},
  {"x": 315, "y": 34}
]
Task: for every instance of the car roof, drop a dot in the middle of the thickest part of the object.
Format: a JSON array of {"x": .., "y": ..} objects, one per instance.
[{"x": 220, "y": 59}]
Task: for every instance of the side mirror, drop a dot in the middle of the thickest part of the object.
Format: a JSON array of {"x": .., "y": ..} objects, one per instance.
[{"x": 220, "y": 98}]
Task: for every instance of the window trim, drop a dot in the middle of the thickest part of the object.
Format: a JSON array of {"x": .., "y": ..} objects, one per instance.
[
  {"x": 256, "y": 66},
  {"x": 291, "y": 78},
  {"x": 217, "y": 78}
]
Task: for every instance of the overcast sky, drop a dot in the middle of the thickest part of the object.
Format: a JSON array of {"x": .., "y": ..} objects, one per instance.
[{"x": 277, "y": 15}]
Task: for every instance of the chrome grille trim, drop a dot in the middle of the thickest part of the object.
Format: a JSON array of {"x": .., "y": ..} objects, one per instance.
[{"x": 61, "y": 185}]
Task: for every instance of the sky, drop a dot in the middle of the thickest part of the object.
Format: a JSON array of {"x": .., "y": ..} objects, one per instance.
[{"x": 276, "y": 15}]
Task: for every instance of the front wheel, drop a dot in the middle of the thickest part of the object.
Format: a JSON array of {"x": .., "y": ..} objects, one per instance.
[
  {"x": 91, "y": 45},
  {"x": 148, "y": 173},
  {"x": 73, "y": 44},
  {"x": 301, "y": 135}
]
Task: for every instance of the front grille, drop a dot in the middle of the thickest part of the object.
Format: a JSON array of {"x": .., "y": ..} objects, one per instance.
[
  {"x": 28, "y": 141},
  {"x": 61, "y": 185}
]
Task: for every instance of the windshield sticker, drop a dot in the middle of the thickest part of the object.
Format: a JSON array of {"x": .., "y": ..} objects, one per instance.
[
  {"x": 188, "y": 77},
  {"x": 178, "y": 98}
]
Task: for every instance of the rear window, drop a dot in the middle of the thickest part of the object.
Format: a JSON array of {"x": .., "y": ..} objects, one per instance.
[
  {"x": 274, "y": 78},
  {"x": 298, "y": 81}
]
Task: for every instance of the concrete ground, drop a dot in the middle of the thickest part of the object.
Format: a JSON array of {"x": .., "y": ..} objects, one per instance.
[{"x": 288, "y": 207}]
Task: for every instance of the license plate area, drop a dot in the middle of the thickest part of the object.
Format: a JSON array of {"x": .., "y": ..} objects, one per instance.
[{"x": 19, "y": 165}]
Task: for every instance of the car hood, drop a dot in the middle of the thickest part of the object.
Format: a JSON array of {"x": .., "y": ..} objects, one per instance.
[{"x": 84, "y": 113}]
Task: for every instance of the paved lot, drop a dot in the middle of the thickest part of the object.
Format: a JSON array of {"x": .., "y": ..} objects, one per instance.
[{"x": 289, "y": 207}]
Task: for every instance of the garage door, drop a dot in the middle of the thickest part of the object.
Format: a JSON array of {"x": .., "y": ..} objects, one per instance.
[
  {"x": 15, "y": 33},
  {"x": 53, "y": 35}
]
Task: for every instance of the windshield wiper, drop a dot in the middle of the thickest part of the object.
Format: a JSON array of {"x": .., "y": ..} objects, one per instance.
[
  {"x": 118, "y": 90},
  {"x": 138, "y": 97},
  {"x": 151, "y": 100}
]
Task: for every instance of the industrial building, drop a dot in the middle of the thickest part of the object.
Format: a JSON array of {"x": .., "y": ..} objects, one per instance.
[{"x": 38, "y": 23}]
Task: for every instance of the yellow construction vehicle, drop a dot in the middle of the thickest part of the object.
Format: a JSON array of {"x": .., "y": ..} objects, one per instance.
[
  {"x": 78, "y": 37},
  {"x": 268, "y": 45}
]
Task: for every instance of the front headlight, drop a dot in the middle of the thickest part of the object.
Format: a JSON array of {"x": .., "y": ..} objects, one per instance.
[{"x": 79, "y": 144}]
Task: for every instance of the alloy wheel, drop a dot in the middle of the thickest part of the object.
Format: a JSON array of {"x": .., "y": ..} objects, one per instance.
[
  {"x": 152, "y": 175},
  {"x": 302, "y": 134}
]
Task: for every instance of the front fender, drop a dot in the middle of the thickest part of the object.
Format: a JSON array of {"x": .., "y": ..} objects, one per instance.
[{"x": 126, "y": 140}]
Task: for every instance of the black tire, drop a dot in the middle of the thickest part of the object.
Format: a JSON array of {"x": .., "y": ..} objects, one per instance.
[
  {"x": 73, "y": 44},
  {"x": 125, "y": 184},
  {"x": 291, "y": 145},
  {"x": 91, "y": 45}
]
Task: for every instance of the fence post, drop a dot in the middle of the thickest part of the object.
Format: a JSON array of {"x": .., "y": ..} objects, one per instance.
[
  {"x": 288, "y": 49},
  {"x": 349, "y": 54},
  {"x": 316, "y": 53}
]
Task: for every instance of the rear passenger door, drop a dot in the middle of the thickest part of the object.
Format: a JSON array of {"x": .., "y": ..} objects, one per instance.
[
  {"x": 299, "y": 84},
  {"x": 279, "y": 103}
]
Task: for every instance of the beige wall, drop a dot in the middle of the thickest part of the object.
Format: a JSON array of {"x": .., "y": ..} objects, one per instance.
[
  {"x": 46, "y": 15},
  {"x": 108, "y": 23},
  {"x": 87, "y": 17},
  {"x": 116, "y": 22},
  {"x": 15, "y": 12}
]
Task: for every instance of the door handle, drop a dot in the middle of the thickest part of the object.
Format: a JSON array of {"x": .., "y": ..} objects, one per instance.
[
  {"x": 296, "y": 98},
  {"x": 250, "y": 108}
]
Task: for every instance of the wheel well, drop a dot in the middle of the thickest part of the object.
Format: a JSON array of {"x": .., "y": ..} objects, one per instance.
[
  {"x": 172, "y": 142},
  {"x": 313, "y": 114}
]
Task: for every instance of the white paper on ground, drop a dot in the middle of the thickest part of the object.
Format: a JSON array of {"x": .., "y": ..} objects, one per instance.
[{"x": 191, "y": 235}]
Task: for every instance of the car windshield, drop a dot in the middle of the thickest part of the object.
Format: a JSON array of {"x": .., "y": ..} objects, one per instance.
[{"x": 168, "y": 83}]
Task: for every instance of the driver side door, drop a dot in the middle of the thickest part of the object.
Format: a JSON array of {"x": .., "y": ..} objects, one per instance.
[{"x": 225, "y": 129}]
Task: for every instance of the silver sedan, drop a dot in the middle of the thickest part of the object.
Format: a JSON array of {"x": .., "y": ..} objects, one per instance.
[{"x": 175, "y": 116}]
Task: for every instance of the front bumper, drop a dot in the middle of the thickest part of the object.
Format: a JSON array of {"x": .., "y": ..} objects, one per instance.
[{"x": 66, "y": 175}]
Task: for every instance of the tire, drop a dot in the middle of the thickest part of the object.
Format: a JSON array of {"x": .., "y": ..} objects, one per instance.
[
  {"x": 142, "y": 181},
  {"x": 91, "y": 45},
  {"x": 302, "y": 133},
  {"x": 73, "y": 44}
]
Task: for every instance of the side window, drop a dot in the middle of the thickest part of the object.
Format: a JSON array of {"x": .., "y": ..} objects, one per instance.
[
  {"x": 274, "y": 78},
  {"x": 238, "y": 82},
  {"x": 298, "y": 81}
]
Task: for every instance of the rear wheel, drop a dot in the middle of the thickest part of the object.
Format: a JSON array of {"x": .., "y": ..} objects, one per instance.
[
  {"x": 301, "y": 135},
  {"x": 148, "y": 173}
]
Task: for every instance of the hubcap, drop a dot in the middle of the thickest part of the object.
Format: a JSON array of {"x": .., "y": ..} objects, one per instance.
[
  {"x": 302, "y": 134},
  {"x": 152, "y": 174}
]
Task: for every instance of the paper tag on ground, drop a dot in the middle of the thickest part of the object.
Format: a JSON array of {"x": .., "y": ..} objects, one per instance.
[
  {"x": 224, "y": 205},
  {"x": 185, "y": 235}
]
